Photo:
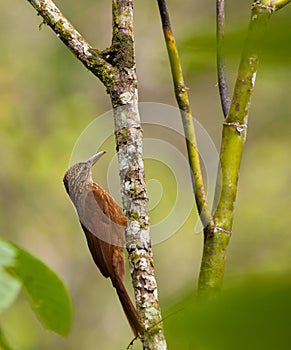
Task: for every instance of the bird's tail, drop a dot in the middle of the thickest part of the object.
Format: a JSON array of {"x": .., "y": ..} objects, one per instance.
[{"x": 128, "y": 307}]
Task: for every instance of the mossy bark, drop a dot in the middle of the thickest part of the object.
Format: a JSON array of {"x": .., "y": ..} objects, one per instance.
[{"x": 116, "y": 69}]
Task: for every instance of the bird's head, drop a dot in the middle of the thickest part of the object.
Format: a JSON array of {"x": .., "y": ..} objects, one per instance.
[{"x": 79, "y": 176}]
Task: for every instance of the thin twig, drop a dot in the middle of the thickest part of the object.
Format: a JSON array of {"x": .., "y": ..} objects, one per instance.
[
  {"x": 221, "y": 71},
  {"x": 186, "y": 114}
]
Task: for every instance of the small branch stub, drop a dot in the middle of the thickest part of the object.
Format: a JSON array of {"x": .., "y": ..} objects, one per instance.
[{"x": 90, "y": 57}]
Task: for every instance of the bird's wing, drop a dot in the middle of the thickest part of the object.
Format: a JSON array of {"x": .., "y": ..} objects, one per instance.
[
  {"x": 101, "y": 253},
  {"x": 118, "y": 222},
  {"x": 113, "y": 215},
  {"x": 104, "y": 226}
]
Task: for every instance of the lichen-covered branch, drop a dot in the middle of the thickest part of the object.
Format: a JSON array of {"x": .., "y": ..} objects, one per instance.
[
  {"x": 221, "y": 72},
  {"x": 186, "y": 114},
  {"x": 116, "y": 69},
  {"x": 129, "y": 140},
  {"x": 90, "y": 57},
  {"x": 233, "y": 139}
]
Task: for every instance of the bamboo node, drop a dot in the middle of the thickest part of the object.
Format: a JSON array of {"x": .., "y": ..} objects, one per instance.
[
  {"x": 239, "y": 127},
  {"x": 221, "y": 229}
]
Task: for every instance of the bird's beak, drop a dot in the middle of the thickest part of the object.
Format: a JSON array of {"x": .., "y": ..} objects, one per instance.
[{"x": 94, "y": 158}]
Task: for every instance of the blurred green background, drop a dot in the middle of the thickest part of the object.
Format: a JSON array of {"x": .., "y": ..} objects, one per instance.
[{"x": 47, "y": 98}]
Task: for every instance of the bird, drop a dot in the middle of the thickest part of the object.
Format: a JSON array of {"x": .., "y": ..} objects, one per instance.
[{"x": 104, "y": 226}]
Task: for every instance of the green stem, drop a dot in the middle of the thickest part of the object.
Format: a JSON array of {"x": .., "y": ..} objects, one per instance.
[
  {"x": 182, "y": 98},
  {"x": 233, "y": 139}
]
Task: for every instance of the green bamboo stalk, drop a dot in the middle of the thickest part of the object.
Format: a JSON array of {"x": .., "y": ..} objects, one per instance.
[
  {"x": 233, "y": 139},
  {"x": 181, "y": 93}
]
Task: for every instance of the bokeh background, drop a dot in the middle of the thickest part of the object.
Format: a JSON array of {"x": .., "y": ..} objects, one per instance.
[{"x": 47, "y": 98}]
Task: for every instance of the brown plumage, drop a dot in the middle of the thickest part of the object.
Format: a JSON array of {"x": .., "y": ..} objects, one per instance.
[{"x": 104, "y": 227}]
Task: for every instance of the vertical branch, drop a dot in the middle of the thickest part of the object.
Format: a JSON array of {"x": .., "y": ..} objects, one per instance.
[
  {"x": 129, "y": 140},
  {"x": 221, "y": 72},
  {"x": 115, "y": 67},
  {"x": 186, "y": 114}
]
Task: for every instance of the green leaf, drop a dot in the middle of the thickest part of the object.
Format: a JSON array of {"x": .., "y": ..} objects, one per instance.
[
  {"x": 253, "y": 314},
  {"x": 9, "y": 289},
  {"x": 45, "y": 291},
  {"x": 9, "y": 286},
  {"x": 4, "y": 343}
]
